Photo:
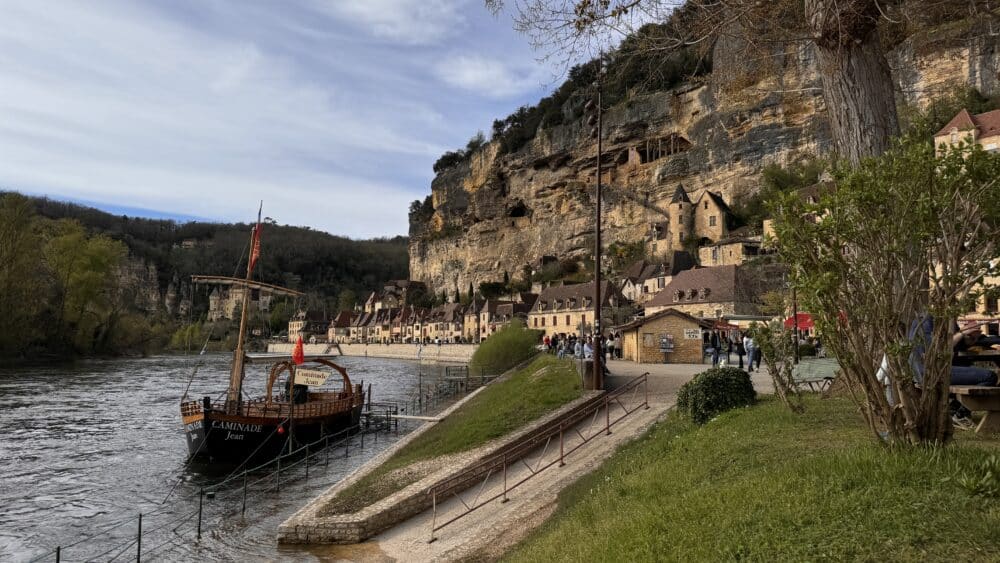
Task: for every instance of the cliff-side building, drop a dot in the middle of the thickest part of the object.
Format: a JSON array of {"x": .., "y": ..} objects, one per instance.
[{"x": 569, "y": 309}]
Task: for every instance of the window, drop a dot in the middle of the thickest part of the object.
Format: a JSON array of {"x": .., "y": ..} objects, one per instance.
[
  {"x": 661, "y": 283},
  {"x": 706, "y": 204},
  {"x": 718, "y": 313},
  {"x": 647, "y": 339},
  {"x": 543, "y": 321},
  {"x": 711, "y": 221},
  {"x": 567, "y": 320},
  {"x": 583, "y": 318},
  {"x": 715, "y": 252},
  {"x": 555, "y": 320},
  {"x": 534, "y": 324}
]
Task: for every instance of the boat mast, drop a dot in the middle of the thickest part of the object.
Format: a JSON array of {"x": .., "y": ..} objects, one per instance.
[{"x": 235, "y": 394}]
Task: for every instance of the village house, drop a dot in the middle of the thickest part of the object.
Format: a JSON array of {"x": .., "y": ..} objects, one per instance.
[
  {"x": 444, "y": 322},
  {"x": 706, "y": 218},
  {"x": 339, "y": 331},
  {"x": 569, "y": 309},
  {"x": 741, "y": 245},
  {"x": 394, "y": 294},
  {"x": 470, "y": 324},
  {"x": 311, "y": 326},
  {"x": 668, "y": 336},
  {"x": 643, "y": 280},
  {"x": 717, "y": 292},
  {"x": 496, "y": 314}
]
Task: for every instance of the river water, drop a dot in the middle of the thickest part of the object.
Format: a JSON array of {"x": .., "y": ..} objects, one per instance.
[{"x": 90, "y": 445}]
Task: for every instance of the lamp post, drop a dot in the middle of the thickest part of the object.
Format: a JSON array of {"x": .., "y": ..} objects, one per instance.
[{"x": 596, "y": 120}]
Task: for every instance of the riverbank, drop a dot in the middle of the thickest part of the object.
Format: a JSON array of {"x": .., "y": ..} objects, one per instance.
[
  {"x": 444, "y": 353},
  {"x": 761, "y": 483}
]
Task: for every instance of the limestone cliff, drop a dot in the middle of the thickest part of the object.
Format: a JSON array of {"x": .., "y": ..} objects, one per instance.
[{"x": 496, "y": 213}]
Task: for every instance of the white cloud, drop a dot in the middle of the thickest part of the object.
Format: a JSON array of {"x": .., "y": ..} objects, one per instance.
[
  {"x": 411, "y": 22},
  {"x": 117, "y": 108},
  {"x": 493, "y": 78}
]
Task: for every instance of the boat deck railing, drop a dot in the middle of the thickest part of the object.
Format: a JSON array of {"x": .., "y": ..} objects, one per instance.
[{"x": 319, "y": 404}]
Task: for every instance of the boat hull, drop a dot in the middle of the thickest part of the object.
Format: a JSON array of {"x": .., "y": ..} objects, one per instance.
[{"x": 216, "y": 436}]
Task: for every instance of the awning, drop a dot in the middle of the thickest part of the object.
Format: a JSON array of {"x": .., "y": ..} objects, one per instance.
[{"x": 805, "y": 321}]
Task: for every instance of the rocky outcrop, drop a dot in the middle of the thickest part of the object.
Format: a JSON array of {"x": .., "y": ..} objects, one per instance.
[{"x": 497, "y": 213}]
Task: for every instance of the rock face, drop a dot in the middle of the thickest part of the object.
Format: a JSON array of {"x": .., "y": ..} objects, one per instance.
[{"x": 498, "y": 213}]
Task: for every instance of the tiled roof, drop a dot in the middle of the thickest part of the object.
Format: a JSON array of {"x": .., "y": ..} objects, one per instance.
[
  {"x": 680, "y": 195},
  {"x": 986, "y": 124},
  {"x": 342, "y": 320},
  {"x": 720, "y": 283},
  {"x": 549, "y": 296},
  {"x": 666, "y": 312}
]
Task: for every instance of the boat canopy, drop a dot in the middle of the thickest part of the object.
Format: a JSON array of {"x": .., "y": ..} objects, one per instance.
[{"x": 274, "y": 358}]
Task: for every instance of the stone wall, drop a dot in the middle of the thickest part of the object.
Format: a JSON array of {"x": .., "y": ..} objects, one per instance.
[{"x": 643, "y": 344}]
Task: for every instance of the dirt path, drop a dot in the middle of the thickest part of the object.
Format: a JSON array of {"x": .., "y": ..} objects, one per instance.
[{"x": 488, "y": 531}]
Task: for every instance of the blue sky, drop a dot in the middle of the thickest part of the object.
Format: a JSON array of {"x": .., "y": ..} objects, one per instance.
[{"x": 330, "y": 111}]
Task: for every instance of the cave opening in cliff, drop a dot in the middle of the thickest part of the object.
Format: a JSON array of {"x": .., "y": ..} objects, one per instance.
[
  {"x": 518, "y": 210},
  {"x": 651, "y": 150}
]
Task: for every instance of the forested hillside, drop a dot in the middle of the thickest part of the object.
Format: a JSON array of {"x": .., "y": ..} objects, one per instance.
[{"x": 76, "y": 281}]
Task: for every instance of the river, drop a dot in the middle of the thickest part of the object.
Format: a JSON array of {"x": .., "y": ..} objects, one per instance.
[{"x": 91, "y": 445}]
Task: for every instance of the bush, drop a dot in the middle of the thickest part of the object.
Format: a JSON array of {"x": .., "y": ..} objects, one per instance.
[
  {"x": 506, "y": 348},
  {"x": 806, "y": 350},
  {"x": 715, "y": 391}
]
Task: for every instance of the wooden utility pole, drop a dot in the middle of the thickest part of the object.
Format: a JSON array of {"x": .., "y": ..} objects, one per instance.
[{"x": 598, "y": 348}]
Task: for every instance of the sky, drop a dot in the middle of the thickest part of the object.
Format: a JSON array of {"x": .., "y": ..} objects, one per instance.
[{"x": 330, "y": 111}]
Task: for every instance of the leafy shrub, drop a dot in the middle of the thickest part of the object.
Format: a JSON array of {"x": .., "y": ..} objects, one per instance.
[
  {"x": 715, "y": 391},
  {"x": 506, "y": 348}
]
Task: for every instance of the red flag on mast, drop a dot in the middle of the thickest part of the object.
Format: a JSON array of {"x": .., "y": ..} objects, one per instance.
[
  {"x": 255, "y": 242},
  {"x": 298, "y": 355}
]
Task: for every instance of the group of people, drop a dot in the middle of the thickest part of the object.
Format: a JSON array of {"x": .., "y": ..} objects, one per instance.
[
  {"x": 721, "y": 345},
  {"x": 582, "y": 347}
]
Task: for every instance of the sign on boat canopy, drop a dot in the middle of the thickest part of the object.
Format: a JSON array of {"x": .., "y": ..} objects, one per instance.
[{"x": 311, "y": 377}]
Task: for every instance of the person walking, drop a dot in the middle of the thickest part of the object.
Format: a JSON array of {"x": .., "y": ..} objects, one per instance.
[
  {"x": 751, "y": 348},
  {"x": 714, "y": 344},
  {"x": 740, "y": 350},
  {"x": 610, "y": 345},
  {"x": 618, "y": 344}
]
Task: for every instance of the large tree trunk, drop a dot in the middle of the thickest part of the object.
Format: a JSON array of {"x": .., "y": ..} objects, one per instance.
[{"x": 857, "y": 85}]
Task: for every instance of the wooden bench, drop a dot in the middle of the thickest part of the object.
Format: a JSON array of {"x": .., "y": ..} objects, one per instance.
[
  {"x": 979, "y": 398},
  {"x": 815, "y": 373}
]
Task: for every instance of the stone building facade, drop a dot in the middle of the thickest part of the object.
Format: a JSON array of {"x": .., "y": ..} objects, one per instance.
[
  {"x": 669, "y": 336},
  {"x": 569, "y": 309}
]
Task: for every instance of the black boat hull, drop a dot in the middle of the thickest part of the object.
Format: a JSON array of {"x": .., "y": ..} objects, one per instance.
[{"x": 231, "y": 438}]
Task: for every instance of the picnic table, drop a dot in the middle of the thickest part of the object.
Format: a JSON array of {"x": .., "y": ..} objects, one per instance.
[
  {"x": 980, "y": 398},
  {"x": 815, "y": 373}
]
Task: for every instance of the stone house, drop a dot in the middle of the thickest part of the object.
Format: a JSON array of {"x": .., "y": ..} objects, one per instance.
[
  {"x": 707, "y": 218},
  {"x": 668, "y": 336},
  {"x": 339, "y": 330},
  {"x": 445, "y": 322},
  {"x": 982, "y": 129},
  {"x": 741, "y": 245},
  {"x": 310, "y": 325},
  {"x": 470, "y": 324},
  {"x": 569, "y": 309},
  {"x": 394, "y": 294}
]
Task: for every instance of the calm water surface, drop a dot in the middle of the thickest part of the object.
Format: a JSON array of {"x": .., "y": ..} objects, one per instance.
[{"x": 90, "y": 445}]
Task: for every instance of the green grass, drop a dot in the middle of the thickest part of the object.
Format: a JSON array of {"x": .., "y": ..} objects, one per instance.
[
  {"x": 763, "y": 484},
  {"x": 505, "y": 348},
  {"x": 497, "y": 410}
]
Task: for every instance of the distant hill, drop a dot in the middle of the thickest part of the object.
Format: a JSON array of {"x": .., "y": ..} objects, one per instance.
[{"x": 297, "y": 257}]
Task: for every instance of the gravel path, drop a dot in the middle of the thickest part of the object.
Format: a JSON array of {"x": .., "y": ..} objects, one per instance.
[{"x": 487, "y": 532}]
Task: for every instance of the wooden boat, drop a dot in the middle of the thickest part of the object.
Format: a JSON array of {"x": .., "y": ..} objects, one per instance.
[{"x": 239, "y": 429}]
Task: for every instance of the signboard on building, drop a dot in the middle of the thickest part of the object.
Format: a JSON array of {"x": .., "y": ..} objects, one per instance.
[
  {"x": 692, "y": 334},
  {"x": 310, "y": 377}
]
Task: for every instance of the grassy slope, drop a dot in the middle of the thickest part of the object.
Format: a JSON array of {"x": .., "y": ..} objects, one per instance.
[
  {"x": 763, "y": 484},
  {"x": 503, "y": 407}
]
